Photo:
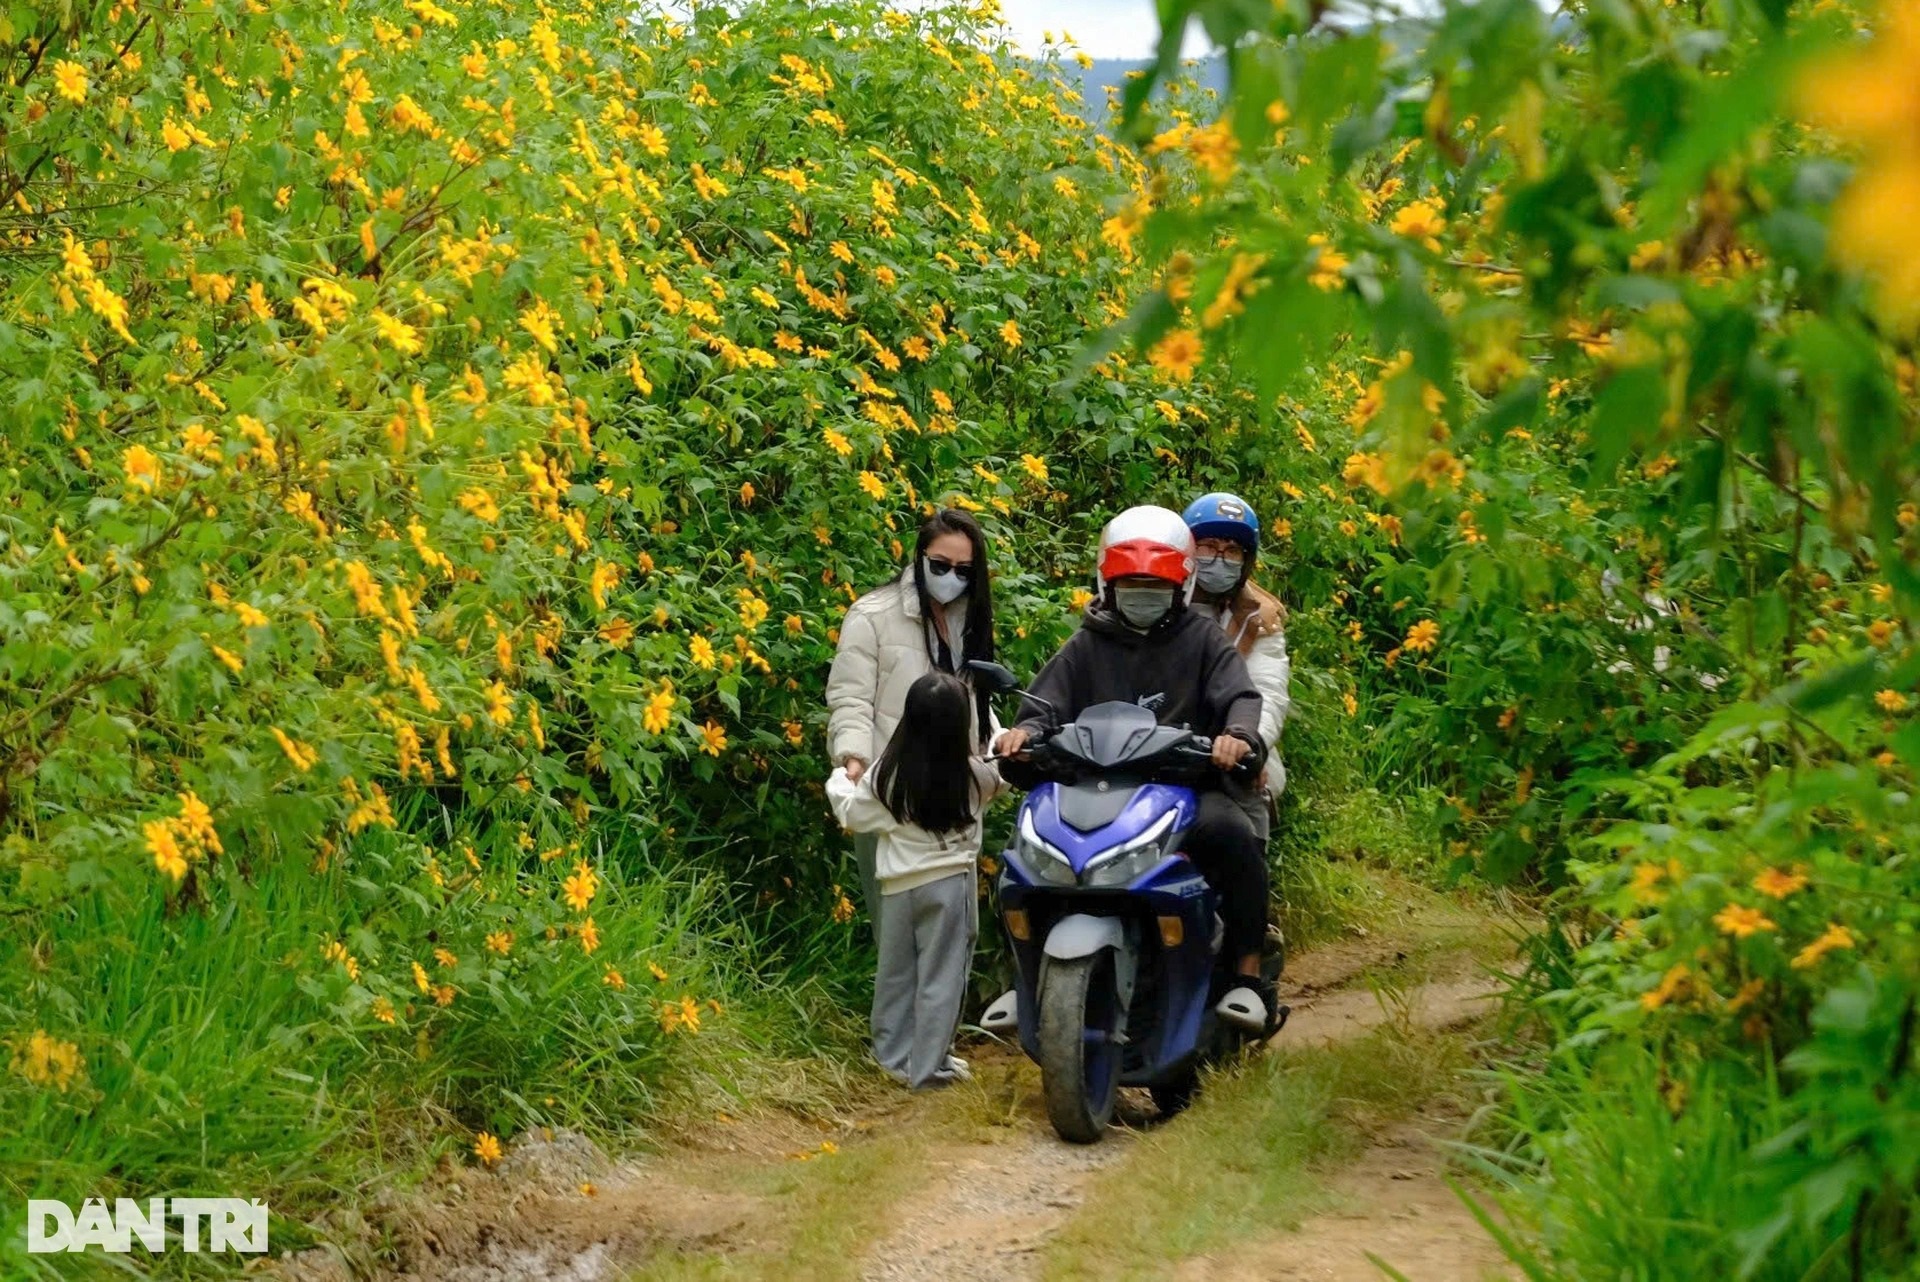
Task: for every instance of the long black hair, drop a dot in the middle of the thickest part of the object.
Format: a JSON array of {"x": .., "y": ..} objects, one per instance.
[
  {"x": 925, "y": 774},
  {"x": 979, "y": 642}
]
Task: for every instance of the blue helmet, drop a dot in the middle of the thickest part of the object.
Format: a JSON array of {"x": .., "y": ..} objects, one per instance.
[{"x": 1224, "y": 516}]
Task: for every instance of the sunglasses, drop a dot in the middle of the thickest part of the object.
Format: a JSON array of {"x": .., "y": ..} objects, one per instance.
[{"x": 939, "y": 567}]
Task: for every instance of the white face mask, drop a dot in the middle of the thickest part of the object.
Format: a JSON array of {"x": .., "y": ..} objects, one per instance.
[{"x": 944, "y": 588}]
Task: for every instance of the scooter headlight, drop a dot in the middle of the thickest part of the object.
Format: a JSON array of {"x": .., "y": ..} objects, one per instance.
[
  {"x": 1046, "y": 861},
  {"x": 1123, "y": 864}
]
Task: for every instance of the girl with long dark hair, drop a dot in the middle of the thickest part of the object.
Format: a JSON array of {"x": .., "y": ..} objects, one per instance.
[{"x": 922, "y": 802}]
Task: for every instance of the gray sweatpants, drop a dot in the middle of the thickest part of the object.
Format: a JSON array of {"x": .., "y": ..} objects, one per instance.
[{"x": 926, "y": 949}]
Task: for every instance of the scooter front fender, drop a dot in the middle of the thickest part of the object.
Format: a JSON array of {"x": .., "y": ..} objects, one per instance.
[
  {"x": 1079, "y": 935},
  {"x": 1083, "y": 935}
]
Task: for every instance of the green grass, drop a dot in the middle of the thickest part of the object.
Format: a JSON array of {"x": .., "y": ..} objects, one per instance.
[
  {"x": 1336, "y": 830},
  {"x": 1641, "y": 1165},
  {"x": 224, "y": 1054}
]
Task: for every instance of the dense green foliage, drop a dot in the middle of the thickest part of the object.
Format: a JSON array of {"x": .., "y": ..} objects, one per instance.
[
  {"x": 444, "y": 439},
  {"x": 443, "y": 442},
  {"x": 414, "y": 622},
  {"x": 1637, "y": 343}
]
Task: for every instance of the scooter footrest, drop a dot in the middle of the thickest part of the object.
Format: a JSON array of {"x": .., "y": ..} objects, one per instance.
[{"x": 1004, "y": 1015}]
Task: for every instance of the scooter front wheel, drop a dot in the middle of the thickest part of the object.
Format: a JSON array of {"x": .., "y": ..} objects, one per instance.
[{"x": 1079, "y": 1045}]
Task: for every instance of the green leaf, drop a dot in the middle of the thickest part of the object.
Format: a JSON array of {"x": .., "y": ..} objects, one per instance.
[
  {"x": 1906, "y": 744},
  {"x": 1626, "y": 414},
  {"x": 1856, "y": 680},
  {"x": 1333, "y": 78},
  {"x": 1166, "y": 57},
  {"x": 1517, "y": 406},
  {"x": 1488, "y": 50},
  {"x": 1731, "y": 110},
  {"x": 1408, "y": 318},
  {"x": 1285, "y": 326},
  {"x": 1257, "y": 77}
]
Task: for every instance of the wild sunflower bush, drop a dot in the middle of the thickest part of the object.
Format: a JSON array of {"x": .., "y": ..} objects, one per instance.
[
  {"x": 1618, "y": 306},
  {"x": 444, "y": 440}
]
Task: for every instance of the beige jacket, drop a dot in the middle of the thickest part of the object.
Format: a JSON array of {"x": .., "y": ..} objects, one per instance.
[
  {"x": 884, "y": 644},
  {"x": 908, "y": 855},
  {"x": 1256, "y": 624}
]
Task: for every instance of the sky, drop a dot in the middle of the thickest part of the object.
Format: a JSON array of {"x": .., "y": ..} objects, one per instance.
[
  {"x": 1104, "y": 28},
  {"x": 1127, "y": 28}
]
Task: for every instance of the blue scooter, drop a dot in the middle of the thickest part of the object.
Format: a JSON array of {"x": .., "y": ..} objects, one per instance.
[{"x": 1114, "y": 933}]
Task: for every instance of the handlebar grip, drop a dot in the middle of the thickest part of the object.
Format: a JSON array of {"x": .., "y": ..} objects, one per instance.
[{"x": 1242, "y": 769}]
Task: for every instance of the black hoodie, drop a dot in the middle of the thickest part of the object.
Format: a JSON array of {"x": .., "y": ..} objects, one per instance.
[{"x": 1184, "y": 668}]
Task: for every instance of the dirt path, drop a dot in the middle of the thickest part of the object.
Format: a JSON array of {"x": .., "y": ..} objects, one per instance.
[
  {"x": 984, "y": 1183},
  {"x": 1394, "y": 1205},
  {"x": 997, "y": 1206},
  {"x": 1394, "y": 1202},
  {"x": 994, "y": 1207}
]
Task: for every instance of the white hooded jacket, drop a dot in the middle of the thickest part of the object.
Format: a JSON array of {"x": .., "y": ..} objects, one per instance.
[{"x": 909, "y": 855}]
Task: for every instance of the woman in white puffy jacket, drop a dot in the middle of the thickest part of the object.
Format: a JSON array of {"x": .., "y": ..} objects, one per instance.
[
  {"x": 935, "y": 617},
  {"x": 1226, "y": 536}
]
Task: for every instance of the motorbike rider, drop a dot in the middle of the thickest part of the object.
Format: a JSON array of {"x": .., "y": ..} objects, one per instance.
[
  {"x": 1226, "y": 533},
  {"x": 1140, "y": 643}
]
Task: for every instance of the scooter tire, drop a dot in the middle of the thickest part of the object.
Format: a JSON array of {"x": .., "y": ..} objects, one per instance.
[{"x": 1079, "y": 1054}]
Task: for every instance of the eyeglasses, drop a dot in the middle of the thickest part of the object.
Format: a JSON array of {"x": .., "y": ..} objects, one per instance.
[
  {"x": 1222, "y": 549},
  {"x": 939, "y": 567}
]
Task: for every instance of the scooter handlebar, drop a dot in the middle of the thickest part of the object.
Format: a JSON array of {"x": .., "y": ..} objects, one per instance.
[
  {"x": 1195, "y": 753},
  {"x": 1200, "y": 751}
]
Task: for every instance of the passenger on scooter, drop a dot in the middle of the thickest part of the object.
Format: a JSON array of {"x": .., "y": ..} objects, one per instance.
[
  {"x": 1139, "y": 643},
  {"x": 1226, "y": 534}
]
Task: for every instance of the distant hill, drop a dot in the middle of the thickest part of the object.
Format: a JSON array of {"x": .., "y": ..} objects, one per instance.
[
  {"x": 1211, "y": 72},
  {"x": 1105, "y": 73}
]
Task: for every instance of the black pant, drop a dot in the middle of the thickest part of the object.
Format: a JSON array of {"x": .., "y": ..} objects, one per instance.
[{"x": 1224, "y": 846}]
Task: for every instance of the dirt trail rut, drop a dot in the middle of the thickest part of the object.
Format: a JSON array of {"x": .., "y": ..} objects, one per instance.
[
  {"x": 990, "y": 1209},
  {"x": 985, "y": 1204}
]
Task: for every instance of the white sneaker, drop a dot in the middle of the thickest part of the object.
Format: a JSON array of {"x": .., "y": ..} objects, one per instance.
[
  {"x": 957, "y": 1069},
  {"x": 1244, "y": 1009}
]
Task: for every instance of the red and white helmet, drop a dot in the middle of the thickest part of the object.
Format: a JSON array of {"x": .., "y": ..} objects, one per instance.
[{"x": 1151, "y": 541}]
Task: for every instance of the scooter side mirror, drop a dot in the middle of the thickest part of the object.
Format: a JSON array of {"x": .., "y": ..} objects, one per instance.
[{"x": 995, "y": 677}]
